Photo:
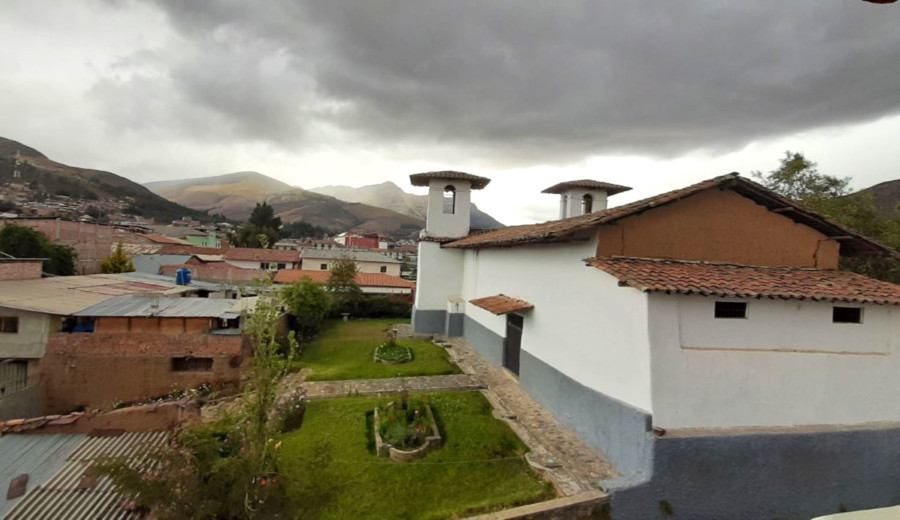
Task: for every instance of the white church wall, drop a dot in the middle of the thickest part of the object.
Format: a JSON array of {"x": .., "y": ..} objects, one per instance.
[
  {"x": 786, "y": 364},
  {"x": 583, "y": 325},
  {"x": 438, "y": 276}
]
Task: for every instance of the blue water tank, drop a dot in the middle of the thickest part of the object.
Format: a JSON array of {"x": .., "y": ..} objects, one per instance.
[{"x": 183, "y": 276}]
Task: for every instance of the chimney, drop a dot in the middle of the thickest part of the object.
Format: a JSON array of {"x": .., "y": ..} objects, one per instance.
[{"x": 584, "y": 196}]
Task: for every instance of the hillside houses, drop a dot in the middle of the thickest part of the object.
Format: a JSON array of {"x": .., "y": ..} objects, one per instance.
[{"x": 703, "y": 339}]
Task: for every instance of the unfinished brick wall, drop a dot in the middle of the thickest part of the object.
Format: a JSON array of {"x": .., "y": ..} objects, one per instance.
[
  {"x": 115, "y": 324},
  {"x": 216, "y": 272},
  {"x": 20, "y": 270},
  {"x": 101, "y": 369}
]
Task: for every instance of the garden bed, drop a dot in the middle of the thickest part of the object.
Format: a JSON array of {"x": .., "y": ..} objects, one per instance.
[
  {"x": 391, "y": 353},
  {"x": 405, "y": 430}
]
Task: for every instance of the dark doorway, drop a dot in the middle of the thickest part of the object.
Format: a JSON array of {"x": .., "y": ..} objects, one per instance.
[{"x": 512, "y": 346}]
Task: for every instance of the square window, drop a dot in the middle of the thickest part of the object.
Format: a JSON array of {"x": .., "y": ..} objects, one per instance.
[
  {"x": 846, "y": 315},
  {"x": 192, "y": 364},
  {"x": 9, "y": 324},
  {"x": 281, "y": 266},
  {"x": 731, "y": 309},
  {"x": 384, "y": 269},
  {"x": 323, "y": 267}
]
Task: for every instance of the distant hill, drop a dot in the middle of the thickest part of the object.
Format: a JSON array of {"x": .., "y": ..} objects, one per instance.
[
  {"x": 234, "y": 195},
  {"x": 46, "y": 177},
  {"x": 390, "y": 196},
  {"x": 887, "y": 197}
]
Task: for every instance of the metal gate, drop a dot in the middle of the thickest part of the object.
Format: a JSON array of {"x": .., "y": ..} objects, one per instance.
[
  {"x": 512, "y": 345},
  {"x": 12, "y": 377}
]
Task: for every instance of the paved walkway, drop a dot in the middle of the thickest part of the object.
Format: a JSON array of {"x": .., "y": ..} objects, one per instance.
[{"x": 326, "y": 389}]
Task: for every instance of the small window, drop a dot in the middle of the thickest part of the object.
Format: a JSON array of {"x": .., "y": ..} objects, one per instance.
[
  {"x": 449, "y": 200},
  {"x": 9, "y": 324},
  {"x": 846, "y": 315},
  {"x": 384, "y": 269},
  {"x": 192, "y": 364},
  {"x": 263, "y": 265},
  {"x": 323, "y": 267},
  {"x": 731, "y": 309},
  {"x": 281, "y": 266},
  {"x": 587, "y": 204}
]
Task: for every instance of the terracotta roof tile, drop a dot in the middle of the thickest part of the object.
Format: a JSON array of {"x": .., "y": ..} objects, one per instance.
[
  {"x": 611, "y": 189},
  {"x": 362, "y": 279},
  {"x": 261, "y": 255},
  {"x": 162, "y": 239},
  {"x": 569, "y": 228},
  {"x": 422, "y": 179},
  {"x": 501, "y": 304},
  {"x": 747, "y": 281}
]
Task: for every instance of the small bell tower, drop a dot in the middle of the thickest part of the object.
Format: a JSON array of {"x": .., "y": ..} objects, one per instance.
[
  {"x": 584, "y": 196},
  {"x": 449, "y": 201}
]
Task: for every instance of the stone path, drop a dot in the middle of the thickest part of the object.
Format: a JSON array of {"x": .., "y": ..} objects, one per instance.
[{"x": 326, "y": 389}]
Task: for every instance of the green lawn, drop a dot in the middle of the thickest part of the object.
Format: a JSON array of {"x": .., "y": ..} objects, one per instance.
[
  {"x": 344, "y": 350},
  {"x": 332, "y": 472}
]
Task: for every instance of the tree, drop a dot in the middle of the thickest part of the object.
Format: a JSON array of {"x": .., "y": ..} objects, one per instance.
[
  {"x": 342, "y": 286},
  {"x": 117, "y": 262},
  {"x": 260, "y": 230},
  {"x": 24, "y": 242},
  {"x": 799, "y": 179},
  {"x": 308, "y": 303}
]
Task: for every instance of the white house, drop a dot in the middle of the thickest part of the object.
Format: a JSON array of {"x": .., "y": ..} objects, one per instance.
[
  {"x": 703, "y": 339},
  {"x": 366, "y": 261}
]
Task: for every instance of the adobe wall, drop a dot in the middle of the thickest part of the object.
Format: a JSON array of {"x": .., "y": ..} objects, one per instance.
[
  {"x": 22, "y": 270},
  {"x": 719, "y": 226},
  {"x": 114, "y": 324},
  {"x": 99, "y": 370}
]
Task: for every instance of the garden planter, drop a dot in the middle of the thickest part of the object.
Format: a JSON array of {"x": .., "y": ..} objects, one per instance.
[{"x": 432, "y": 442}]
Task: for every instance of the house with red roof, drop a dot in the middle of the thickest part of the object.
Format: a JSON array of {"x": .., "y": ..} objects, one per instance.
[
  {"x": 704, "y": 339},
  {"x": 369, "y": 283}
]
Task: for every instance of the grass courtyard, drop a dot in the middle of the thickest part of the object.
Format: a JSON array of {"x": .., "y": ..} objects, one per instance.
[
  {"x": 344, "y": 350},
  {"x": 332, "y": 471}
]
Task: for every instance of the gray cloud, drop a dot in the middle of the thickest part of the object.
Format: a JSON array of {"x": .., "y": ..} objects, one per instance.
[{"x": 513, "y": 82}]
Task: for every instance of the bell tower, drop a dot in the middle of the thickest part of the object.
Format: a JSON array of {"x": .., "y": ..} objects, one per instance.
[
  {"x": 449, "y": 201},
  {"x": 584, "y": 196}
]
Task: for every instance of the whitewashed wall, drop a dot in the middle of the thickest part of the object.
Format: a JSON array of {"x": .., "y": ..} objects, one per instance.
[
  {"x": 583, "y": 324},
  {"x": 254, "y": 264},
  {"x": 786, "y": 365},
  {"x": 315, "y": 264},
  {"x": 31, "y": 339},
  {"x": 438, "y": 277}
]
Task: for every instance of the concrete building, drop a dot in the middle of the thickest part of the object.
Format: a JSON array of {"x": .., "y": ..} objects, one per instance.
[
  {"x": 266, "y": 259},
  {"x": 703, "y": 339},
  {"x": 366, "y": 261}
]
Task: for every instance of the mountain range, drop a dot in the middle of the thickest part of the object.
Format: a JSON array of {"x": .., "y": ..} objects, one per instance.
[
  {"x": 235, "y": 194},
  {"x": 46, "y": 178},
  {"x": 390, "y": 196}
]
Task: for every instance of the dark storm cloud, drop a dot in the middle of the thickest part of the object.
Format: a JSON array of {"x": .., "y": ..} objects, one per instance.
[{"x": 516, "y": 81}]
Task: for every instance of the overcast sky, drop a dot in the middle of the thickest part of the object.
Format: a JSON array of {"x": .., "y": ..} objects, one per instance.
[{"x": 648, "y": 93}]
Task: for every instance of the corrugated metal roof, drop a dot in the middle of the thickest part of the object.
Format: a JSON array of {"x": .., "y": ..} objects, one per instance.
[
  {"x": 135, "y": 306},
  {"x": 150, "y": 263},
  {"x": 60, "y": 497},
  {"x": 64, "y": 295},
  {"x": 38, "y": 456}
]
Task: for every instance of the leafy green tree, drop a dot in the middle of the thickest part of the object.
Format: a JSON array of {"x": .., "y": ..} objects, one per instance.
[
  {"x": 309, "y": 305},
  {"x": 260, "y": 230},
  {"x": 799, "y": 179},
  {"x": 117, "y": 262},
  {"x": 342, "y": 286},
  {"x": 24, "y": 242}
]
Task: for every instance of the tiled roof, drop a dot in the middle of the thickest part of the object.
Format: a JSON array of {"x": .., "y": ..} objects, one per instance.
[
  {"x": 501, "y": 304},
  {"x": 174, "y": 249},
  {"x": 569, "y": 228},
  {"x": 422, "y": 179},
  {"x": 362, "y": 279},
  {"x": 260, "y": 255},
  {"x": 609, "y": 188},
  {"x": 747, "y": 281}
]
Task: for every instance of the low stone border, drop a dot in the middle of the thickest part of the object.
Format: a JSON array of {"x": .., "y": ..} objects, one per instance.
[
  {"x": 383, "y": 361},
  {"x": 590, "y": 505},
  {"x": 432, "y": 442}
]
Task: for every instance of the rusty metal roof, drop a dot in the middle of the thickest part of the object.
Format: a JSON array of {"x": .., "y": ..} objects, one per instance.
[{"x": 65, "y": 295}]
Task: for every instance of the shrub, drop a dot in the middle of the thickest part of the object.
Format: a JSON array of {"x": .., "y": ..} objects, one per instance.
[
  {"x": 374, "y": 307},
  {"x": 393, "y": 352},
  {"x": 404, "y": 423}
]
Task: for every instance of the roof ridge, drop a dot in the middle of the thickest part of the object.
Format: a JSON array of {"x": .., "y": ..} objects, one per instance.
[{"x": 704, "y": 262}]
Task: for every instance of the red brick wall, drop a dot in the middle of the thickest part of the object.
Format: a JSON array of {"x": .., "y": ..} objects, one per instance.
[
  {"x": 98, "y": 370},
  {"x": 216, "y": 272},
  {"x": 20, "y": 270}
]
